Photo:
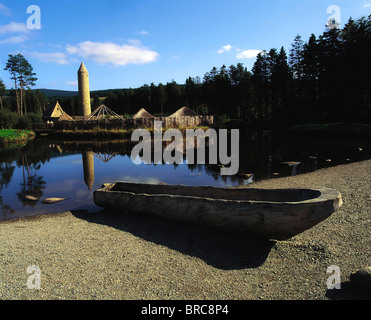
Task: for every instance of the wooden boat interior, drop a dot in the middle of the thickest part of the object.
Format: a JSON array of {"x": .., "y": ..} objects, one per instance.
[{"x": 243, "y": 194}]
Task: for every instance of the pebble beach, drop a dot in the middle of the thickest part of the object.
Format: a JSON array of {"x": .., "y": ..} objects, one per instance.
[{"x": 112, "y": 256}]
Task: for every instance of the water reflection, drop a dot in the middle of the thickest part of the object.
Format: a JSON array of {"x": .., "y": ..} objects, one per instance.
[
  {"x": 6, "y": 173},
  {"x": 88, "y": 167},
  {"x": 74, "y": 169},
  {"x": 32, "y": 184},
  {"x": 105, "y": 157}
]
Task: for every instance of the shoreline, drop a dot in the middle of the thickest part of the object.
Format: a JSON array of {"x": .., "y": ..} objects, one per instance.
[
  {"x": 93, "y": 134},
  {"x": 17, "y": 138},
  {"x": 112, "y": 256}
]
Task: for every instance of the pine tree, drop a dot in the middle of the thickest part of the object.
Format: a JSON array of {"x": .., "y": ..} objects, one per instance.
[
  {"x": 174, "y": 97},
  {"x": 280, "y": 85},
  {"x": 223, "y": 92},
  {"x": 240, "y": 80},
  {"x": 191, "y": 93},
  {"x": 296, "y": 57},
  {"x": 260, "y": 81},
  {"x": 23, "y": 76},
  {"x": 329, "y": 46},
  {"x": 311, "y": 107}
]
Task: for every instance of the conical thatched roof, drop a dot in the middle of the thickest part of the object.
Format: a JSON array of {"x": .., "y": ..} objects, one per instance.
[
  {"x": 142, "y": 113},
  {"x": 65, "y": 117},
  {"x": 184, "y": 112},
  {"x": 53, "y": 111},
  {"x": 101, "y": 112}
]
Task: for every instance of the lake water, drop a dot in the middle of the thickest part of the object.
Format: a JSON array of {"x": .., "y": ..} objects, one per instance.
[{"x": 73, "y": 170}]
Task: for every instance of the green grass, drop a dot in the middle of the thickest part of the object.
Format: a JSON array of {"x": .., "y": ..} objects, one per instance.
[
  {"x": 11, "y": 138},
  {"x": 14, "y": 133}
]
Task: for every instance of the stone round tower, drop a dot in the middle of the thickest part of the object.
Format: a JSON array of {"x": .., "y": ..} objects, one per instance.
[{"x": 84, "y": 91}]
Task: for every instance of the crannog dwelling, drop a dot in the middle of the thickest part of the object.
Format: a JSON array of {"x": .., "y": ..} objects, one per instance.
[
  {"x": 143, "y": 113},
  {"x": 102, "y": 112},
  {"x": 184, "y": 112},
  {"x": 54, "y": 112}
]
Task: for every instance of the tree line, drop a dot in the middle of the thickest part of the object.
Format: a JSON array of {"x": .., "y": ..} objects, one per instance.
[{"x": 323, "y": 79}]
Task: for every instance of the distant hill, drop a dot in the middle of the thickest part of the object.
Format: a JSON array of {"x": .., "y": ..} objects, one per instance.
[
  {"x": 55, "y": 94},
  {"x": 58, "y": 93},
  {"x": 68, "y": 94}
]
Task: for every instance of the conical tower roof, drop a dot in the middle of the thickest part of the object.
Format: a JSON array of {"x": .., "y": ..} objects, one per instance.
[{"x": 82, "y": 68}]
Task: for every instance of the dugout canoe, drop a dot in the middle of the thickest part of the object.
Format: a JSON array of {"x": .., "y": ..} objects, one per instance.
[{"x": 263, "y": 213}]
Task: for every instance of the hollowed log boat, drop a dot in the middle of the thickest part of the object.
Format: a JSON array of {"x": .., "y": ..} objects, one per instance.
[{"x": 263, "y": 213}]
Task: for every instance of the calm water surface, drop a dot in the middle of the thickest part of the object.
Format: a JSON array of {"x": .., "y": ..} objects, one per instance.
[{"x": 73, "y": 170}]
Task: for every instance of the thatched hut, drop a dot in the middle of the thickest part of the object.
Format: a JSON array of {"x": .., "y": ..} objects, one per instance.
[
  {"x": 65, "y": 117},
  {"x": 54, "y": 112},
  {"x": 184, "y": 112},
  {"x": 143, "y": 113},
  {"x": 102, "y": 112}
]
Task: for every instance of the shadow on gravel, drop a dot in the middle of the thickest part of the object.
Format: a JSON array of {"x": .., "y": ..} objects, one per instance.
[
  {"x": 219, "y": 249},
  {"x": 348, "y": 292}
]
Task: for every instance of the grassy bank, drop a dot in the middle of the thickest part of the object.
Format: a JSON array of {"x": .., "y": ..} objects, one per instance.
[
  {"x": 12, "y": 138},
  {"x": 338, "y": 129}
]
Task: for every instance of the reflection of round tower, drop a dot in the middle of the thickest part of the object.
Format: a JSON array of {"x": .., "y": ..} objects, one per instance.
[
  {"x": 84, "y": 91},
  {"x": 88, "y": 166}
]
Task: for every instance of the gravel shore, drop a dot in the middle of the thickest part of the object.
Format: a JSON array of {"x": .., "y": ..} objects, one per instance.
[{"x": 106, "y": 255}]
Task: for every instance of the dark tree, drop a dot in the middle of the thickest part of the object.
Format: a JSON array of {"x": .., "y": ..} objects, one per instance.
[
  {"x": 281, "y": 78},
  {"x": 174, "y": 97},
  {"x": 260, "y": 82},
  {"x": 2, "y": 92}
]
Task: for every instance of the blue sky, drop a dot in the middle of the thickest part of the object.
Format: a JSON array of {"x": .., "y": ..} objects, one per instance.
[{"x": 128, "y": 43}]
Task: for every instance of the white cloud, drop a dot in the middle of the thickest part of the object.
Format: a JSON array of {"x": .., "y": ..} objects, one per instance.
[
  {"x": 248, "y": 54},
  {"x": 14, "y": 27},
  {"x": 14, "y": 40},
  {"x": 52, "y": 57},
  {"x": 5, "y": 10},
  {"x": 111, "y": 53},
  {"x": 226, "y": 48},
  {"x": 134, "y": 42},
  {"x": 367, "y": 5},
  {"x": 11, "y": 28},
  {"x": 144, "y": 33},
  {"x": 72, "y": 83}
]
